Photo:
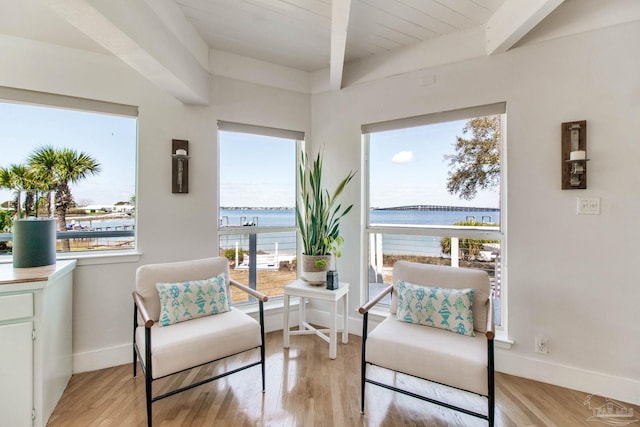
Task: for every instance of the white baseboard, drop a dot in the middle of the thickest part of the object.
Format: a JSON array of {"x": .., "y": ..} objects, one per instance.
[
  {"x": 590, "y": 382},
  {"x": 102, "y": 358},
  {"x": 123, "y": 354}
]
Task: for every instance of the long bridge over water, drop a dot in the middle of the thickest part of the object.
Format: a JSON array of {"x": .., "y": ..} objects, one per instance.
[{"x": 438, "y": 208}]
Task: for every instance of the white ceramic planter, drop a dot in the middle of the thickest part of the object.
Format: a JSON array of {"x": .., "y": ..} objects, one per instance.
[{"x": 312, "y": 272}]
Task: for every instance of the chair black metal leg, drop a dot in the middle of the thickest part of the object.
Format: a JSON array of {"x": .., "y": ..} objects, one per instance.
[
  {"x": 262, "y": 355},
  {"x": 148, "y": 393},
  {"x": 135, "y": 326},
  {"x": 491, "y": 412},
  {"x": 135, "y": 363},
  {"x": 491, "y": 390},
  {"x": 148, "y": 373},
  {"x": 363, "y": 367}
]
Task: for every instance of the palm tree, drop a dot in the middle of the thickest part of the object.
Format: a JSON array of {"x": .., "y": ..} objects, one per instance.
[
  {"x": 43, "y": 163},
  {"x": 59, "y": 168},
  {"x": 7, "y": 180},
  {"x": 17, "y": 178}
]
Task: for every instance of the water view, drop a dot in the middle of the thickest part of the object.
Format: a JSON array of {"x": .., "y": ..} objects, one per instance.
[{"x": 393, "y": 244}]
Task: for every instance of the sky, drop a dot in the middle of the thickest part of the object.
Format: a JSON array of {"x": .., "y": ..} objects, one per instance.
[
  {"x": 109, "y": 139},
  {"x": 407, "y": 166},
  {"x": 257, "y": 171}
]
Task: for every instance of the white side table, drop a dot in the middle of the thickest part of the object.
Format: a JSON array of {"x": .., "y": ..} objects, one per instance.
[{"x": 302, "y": 289}]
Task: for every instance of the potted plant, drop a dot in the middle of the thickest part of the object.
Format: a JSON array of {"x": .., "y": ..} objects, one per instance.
[{"x": 318, "y": 217}]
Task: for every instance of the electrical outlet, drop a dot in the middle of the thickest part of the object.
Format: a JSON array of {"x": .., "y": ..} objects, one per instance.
[{"x": 542, "y": 345}]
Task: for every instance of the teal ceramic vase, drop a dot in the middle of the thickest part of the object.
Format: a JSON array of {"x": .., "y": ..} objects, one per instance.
[{"x": 34, "y": 242}]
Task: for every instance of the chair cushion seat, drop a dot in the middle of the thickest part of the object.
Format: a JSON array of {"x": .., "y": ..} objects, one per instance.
[
  {"x": 194, "y": 342},
  {"x": 430, "y": 353}
]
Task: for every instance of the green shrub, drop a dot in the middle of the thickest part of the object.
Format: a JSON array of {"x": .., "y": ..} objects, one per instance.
[
  {"x": 76, "y": 211},
  {"x": 230, "y": 254},
  {"x": 469, "y": 248},
  {"x": 5, "y": 220}
]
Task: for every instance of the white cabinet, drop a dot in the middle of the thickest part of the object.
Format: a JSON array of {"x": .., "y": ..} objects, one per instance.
[
  {"x": 16, "y": 371},
  {"x": 35, "y": 341}
]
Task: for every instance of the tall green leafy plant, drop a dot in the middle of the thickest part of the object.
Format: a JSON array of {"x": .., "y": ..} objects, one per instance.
[{"x": 318, "y": 214}]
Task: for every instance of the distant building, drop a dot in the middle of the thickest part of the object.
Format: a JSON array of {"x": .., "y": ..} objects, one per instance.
[
  {"x": 98, "y": 208},
  {"x": 123, "y": 208},
  {"x": 109, "y": 209}
]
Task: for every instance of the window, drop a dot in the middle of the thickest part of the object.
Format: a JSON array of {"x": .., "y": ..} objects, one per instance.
[
  {"x": 434, "y": 193},
  {"x": 257, "y": 196},
  {"x": 98, "y": 139}
]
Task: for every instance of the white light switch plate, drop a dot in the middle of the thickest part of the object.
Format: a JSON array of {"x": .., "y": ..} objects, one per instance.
[{"x": 588, "y": 206}]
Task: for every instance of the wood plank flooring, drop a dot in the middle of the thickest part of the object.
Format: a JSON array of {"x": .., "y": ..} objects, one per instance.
[{"x": 306, "y": 388}]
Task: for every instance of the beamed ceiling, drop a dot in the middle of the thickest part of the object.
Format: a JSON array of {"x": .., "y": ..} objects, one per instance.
[
  {"x": 303, "y": 45},
  {"x": 298, "y": 33}
]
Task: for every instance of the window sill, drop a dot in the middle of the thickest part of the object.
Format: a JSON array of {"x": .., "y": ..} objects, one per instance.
[
  {"x": 502, "y": 340},
  {"x": 113, "y": 257},
  {"x": 91, "y": 258}
]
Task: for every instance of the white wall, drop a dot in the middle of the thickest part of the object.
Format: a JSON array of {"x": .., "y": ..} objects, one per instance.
[
  {"x": 571, "y": 278},
  {"x": 170, "y": 227}
]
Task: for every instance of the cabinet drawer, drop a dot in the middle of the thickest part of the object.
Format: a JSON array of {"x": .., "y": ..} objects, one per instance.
[{"x": 16, "y": 306}]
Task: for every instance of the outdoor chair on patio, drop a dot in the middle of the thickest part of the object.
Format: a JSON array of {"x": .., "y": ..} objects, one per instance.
[
  {"x": 440, "y": 329},
  {"x": 182, "y": 319}
]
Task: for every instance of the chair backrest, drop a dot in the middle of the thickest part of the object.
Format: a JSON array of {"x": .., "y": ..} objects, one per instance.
[
  {"x": 148, "y": 275},
  {"x": 446, "y": 277}
]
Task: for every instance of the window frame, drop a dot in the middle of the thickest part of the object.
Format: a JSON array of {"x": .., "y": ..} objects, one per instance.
[
  {"x": 298, "y": 139},
  {"x": 85, "y": 105},
  {"x": 441, "y": 231}
]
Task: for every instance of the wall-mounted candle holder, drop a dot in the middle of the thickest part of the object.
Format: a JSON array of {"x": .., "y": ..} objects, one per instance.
[
  {"x": 180, "y": 166},
  {"x": 574, "y": 155}
]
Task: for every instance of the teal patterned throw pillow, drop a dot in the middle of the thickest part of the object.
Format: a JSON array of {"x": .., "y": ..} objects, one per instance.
[
  {"x": 189, "y": 300},
  {"x": 449, "y": 309}
]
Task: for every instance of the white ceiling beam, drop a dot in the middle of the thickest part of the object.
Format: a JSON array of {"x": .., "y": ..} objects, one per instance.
[
  {"x": 513, "y": 20},
  {"x": 264, "y": 73},
  {"x": 447, "y": 49},
  {"x": 172, "y": 17},
  {"x": 340, "y": 10},
  {"x": 133, "y": 32}
]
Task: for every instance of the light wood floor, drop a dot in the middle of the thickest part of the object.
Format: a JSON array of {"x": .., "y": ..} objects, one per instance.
[{"x": 306, "y": 388}]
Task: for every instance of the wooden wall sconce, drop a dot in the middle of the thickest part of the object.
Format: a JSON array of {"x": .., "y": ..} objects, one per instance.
[
  {"x": 574, "y": 155},
  {"x": 179, "y": 166}
]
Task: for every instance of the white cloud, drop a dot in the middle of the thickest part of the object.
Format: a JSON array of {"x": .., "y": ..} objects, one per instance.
[{"x": 402, "y": 157}]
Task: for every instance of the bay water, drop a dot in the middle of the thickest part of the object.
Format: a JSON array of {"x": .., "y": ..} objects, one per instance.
[{"x": 392, "y": 243}]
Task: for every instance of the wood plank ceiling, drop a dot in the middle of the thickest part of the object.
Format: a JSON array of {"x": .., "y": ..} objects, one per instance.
[{"x": 297, "y": 33}]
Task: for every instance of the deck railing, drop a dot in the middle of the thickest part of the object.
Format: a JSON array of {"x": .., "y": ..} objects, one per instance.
[
  {"x": 109, "y": 238},
  {"x": 263, "y": 258}
]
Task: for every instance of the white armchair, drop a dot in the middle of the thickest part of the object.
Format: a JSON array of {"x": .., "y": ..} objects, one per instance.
[
  {"x": 169, "y": 336},
  {"x": 461, "y": 361}
]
